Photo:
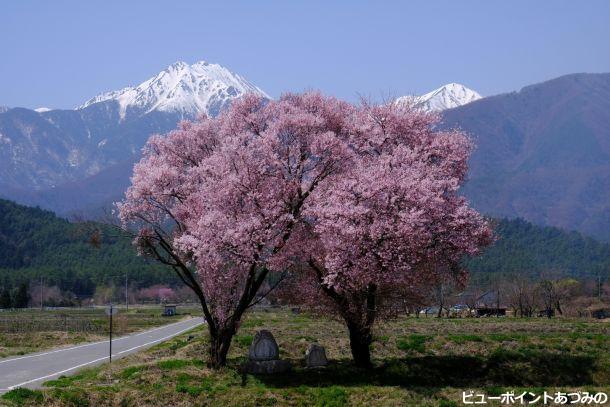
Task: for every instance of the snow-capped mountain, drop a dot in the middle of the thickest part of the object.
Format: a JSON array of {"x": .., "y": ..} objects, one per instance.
[
  {"x": 42, "y": 149},
  {"x": 181, "y": 88},
  {"x": 446, "y": 97}
]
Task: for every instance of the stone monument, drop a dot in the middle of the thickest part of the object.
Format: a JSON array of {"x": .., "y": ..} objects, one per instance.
[
  {"x": 315, "y": 356},
  {"x": 264, "y": 355}
]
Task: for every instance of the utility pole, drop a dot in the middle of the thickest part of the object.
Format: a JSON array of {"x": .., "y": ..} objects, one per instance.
[
  {"x": 41, "y": 295},
  {"x": 498, "y": 303},
  {"x": 110, "y": 311},
  {"x": 126, "y": 293}
]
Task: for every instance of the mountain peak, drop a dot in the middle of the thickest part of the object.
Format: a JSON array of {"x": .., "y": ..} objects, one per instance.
[
  {"x": 179, "y": 65},
  {"x": 446, "y": 97},
  {"x": 186, "y": 89}
]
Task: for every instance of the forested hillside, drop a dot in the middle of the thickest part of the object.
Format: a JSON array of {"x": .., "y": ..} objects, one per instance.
[
  {"x": 76, "y": 257},
  {"x": 543, "y": 153},
  {"x": 525, "y": 248},
  {"x": 35, "y": 243}
]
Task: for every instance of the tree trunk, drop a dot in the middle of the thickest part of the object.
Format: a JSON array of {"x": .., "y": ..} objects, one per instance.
[
  {"x": 441, "y": 302},
  {"x": 521, "y": 313},
  {"x": 220, "y": 341},
  {"x": 558, "y": 307},
  {"x": 360, "y": 323},
  {"x": 360, "y": 339}
]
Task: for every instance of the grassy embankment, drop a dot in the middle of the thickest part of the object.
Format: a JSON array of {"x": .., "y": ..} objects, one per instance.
[
  {"x": 418, "y": 362},
  {"x": 32, "y": 330}
]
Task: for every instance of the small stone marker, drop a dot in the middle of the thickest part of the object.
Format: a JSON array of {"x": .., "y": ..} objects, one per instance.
[
  {"x": 263, "y": 347},
  {"x": 264, "y": 355},
  {"x": 315, "y": 356}
]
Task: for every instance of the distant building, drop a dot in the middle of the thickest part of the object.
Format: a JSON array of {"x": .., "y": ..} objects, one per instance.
[
  {"x": 488, "y": 305},
  {"x": 429, "y": 311},
  {"x": 169, "y": 310},
  {"x": 601, "y": 313},
  {"x": 490, "y": 312}
]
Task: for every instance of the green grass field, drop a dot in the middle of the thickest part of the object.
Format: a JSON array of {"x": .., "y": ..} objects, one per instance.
[
  {"x": 32, "y": 330},
  {"x": 418, "y": 362}
]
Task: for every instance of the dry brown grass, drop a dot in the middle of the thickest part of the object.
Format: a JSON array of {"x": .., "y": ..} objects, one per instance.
[
  {"x": 33, "y": 340},
  {"x": 418, "y": 362}
]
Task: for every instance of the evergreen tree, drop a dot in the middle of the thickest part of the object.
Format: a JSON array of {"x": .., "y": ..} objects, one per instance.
[
  {"x": 5, "y": 299},
  {"x": 22, "y": 297}
]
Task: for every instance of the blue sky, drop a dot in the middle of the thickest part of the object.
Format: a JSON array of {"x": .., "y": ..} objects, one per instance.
[{"x": 60, "y": 53}]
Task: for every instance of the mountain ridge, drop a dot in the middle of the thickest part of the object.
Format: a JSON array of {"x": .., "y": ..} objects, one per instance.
[
  {"x": 44, "y": 149},
  {"x": 189, "y": 89},
  {"x": 448, "y": 96},
  {"x": 543, "y": 153}
]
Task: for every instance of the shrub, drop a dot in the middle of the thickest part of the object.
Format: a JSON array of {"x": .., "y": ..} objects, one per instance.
[
  {"x": 413, "y": 343},
  {"x": 173, "y": 364},
  {"x": 22, "y": 395},
  {"x": 244, "y": 340}
]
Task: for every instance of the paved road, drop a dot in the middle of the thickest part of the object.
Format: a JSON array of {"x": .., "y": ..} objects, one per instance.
[{"x": 34, "y": 369}]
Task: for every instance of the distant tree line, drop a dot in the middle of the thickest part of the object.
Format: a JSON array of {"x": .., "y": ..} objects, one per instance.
[
  {"x": 77, "y": 264},
  {"x": 74, "y": 257},
  {"x": 19, "y": 297},
  {"x": 518, "y": 295},
  {"x": 525, "y": 248}
]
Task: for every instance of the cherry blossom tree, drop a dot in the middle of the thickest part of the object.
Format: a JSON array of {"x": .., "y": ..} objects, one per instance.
[
  {"x": 392, "y": 222},
  {"x": 219, "y": 200},
  {"x": 363, "y": 201}
]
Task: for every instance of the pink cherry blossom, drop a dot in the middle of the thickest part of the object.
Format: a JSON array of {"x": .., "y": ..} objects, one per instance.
[
  {"x": 219, "y": 199},
  {"x": 361, "y": 200},
  {"x": 391, "y": 221}
]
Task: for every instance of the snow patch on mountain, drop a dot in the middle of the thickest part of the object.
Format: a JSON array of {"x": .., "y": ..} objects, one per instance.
[
  {"x": 186, "y": 89},
  {"x": 446, "y": 97},
  {"x": 4, "y": 139},
  {"x": 43, "y": 109}
]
